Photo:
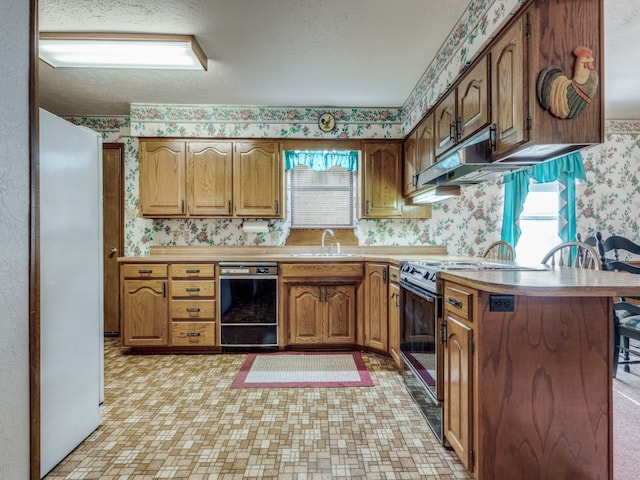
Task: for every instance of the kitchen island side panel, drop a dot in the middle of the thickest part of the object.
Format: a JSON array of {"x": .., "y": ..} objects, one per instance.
[{"x": 543, "y": 389}]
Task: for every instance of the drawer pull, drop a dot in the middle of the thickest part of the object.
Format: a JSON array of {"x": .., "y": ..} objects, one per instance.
[
  {"x": 454, "y": 302},
  {"x": 193, "y": 270},
  {"x": 193, "y": 310},
  {"x": 145, "y": 270},
  {"x": 192, "y": 334},
  {"x": 193, "y": 289}
]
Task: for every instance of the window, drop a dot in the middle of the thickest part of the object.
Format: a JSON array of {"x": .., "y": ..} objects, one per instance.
[
  {"x": 538, "y": 223},
  {"x": 322, "y": 198}
]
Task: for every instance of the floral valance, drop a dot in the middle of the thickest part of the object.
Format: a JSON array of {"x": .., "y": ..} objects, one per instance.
[{"x": 321, "y": 160}]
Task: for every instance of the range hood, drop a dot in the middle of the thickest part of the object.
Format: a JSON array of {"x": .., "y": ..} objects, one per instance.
[{"x": 467, "y": 165}]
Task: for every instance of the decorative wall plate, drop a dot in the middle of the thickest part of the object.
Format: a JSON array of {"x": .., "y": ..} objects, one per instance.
[{"x": 326, "y": 122}]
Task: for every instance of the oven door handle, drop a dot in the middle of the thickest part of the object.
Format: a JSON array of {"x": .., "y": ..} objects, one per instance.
[{"x": 428, "y": 296}]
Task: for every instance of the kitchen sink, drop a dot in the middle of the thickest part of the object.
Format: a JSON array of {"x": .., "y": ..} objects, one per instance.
[{"x": 322, "y": 255}]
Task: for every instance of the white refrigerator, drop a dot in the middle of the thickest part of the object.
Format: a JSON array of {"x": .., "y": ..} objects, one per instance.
[{"x": 71, "y": 286}]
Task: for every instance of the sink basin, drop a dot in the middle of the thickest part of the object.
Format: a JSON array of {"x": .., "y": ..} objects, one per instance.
[{"x": 322, "y": 255}]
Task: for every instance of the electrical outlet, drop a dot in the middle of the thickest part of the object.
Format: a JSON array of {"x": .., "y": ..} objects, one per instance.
[{"x": 502, "y": 303}]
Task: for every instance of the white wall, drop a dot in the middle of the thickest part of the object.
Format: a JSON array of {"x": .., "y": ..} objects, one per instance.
[{"x": 14, "y": 240}]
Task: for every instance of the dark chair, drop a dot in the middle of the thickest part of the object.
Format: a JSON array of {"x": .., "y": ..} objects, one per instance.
[
  {"x": 626, "y": 318},
  {"x": 573, "y": 255}
]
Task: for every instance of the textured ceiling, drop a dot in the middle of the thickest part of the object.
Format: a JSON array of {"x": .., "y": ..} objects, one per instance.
[{"x": 348, "y": 53}]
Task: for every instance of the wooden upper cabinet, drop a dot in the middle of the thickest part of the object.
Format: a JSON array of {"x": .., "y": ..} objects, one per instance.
[
  {"x": 419, "y": 153},
  {"x": 162, "y": 174},
  {"x": 465, "y": 110},
  {"x": 509, "y": 89},
  {"x": 410, "y": 162},
  {"x": 382, "y": 180},
  {"x": 209, "y": 178},
  {"x": 257, "y": 173},
  {"x": 473, "y": 101},
  {"x": 445, "y": 126}
]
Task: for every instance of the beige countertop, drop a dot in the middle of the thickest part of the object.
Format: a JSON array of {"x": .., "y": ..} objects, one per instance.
[
  {"x": 557, "y": 282},
  {"x": 391, "y": 254}
]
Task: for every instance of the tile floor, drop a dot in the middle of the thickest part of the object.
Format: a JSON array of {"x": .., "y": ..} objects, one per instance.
[{"x": 174, "y": 416}]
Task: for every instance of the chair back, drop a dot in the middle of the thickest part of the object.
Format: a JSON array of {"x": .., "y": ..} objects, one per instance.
[
  {"x": 615, "y": 244},
  {"x": 573, "y": 255},
  {"x": 499, "y": 250},
  {"x": 592, "y": 240}
]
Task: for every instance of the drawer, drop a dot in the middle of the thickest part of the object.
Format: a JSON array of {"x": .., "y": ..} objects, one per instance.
[
  {"x": 458, "y": 302},
  {"x": 186, "y": 288},
  {"x": 193, "y": 309},
  {"x": 195, "y": 270},
  {"x": 140, "y": 270},
  {"x": 190, "y": 334},
  {"x": 322, "y": 271},
  {"x": 394, "y": 273}
]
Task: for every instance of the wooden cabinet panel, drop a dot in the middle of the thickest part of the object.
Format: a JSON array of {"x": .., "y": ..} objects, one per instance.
[
  {"x": 193, "y": 334},
  {"x": 382, "y": 178},
  {"x": 143, "y": 270},
  {"x": 257, "y": 179},
  {"x": 419, "y": 153},
  {"x": 305, "y": 314},
  {"x": 459, "y": 302},
  {"x": 394, "y": 322},
  {"x": 375, "y": 306},
  {"x": 209, "y": 178},
  {"x": 193, "y": 309},
  {"x": 162, "y": 178},
  {"x": 473, "y": 101},
  {"x": 509, "y": 92},
  {"x": 458, "y": 392},
  {"x": 186, "y": 270},
  {"x": 192, "y": 288},
  {"x": 410, "y": 149},
  {"x": 144, "y": 313},
  {"x": 445, "y": 126},
  {"x": 340, "y": 314}
]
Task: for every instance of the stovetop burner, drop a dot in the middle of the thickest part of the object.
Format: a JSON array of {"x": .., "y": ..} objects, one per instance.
[{"x": 424, "y": 273}]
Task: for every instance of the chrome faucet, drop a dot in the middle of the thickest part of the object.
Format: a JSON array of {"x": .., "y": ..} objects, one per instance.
[{"x": 328, "y": 230}]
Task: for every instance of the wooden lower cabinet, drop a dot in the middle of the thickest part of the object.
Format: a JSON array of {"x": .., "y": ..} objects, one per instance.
[
  {"x": 375, "y": 306},
  {"x": 527, "y": 392},
  {"x": 321, "y": 314},
  {"x": 393, "y": 305},
  {"x": 458, "y": 393},
  {"x": 168, "y": 305},
  {"x": 145, "y": 314}
]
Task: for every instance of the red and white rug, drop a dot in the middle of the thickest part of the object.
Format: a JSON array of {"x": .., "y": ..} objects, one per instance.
[{"x": 303, "y": 369}]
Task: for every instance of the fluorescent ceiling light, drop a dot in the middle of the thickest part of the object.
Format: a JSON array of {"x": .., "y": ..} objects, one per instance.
[
  {"x": 438, "y": 193},
  {"x": 121, "y": 50}
]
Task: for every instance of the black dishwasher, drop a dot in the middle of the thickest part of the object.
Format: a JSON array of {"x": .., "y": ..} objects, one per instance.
[{"x": 248, "y": 298}]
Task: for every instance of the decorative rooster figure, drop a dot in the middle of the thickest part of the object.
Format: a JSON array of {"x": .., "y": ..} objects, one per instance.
[{"x": 565, "y": 97}]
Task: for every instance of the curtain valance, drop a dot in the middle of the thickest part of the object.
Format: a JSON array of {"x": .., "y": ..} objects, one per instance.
[{"x": 321, "y": 160}]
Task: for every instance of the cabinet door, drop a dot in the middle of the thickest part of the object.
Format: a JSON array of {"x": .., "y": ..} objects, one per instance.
[
  {"x": 305, "y": 314},
  {"x": 340, "y": 314},
  {"x": 458, "y": 389},
  {"x": 394, "y": 323},
  {"x": 509, "y": 93},
  {"x": 425, "y": 144},
  {"x": 382, "y": 179},
  {"x": 209, "y": 179},
  {"x": 410, "y": 162},
  {"x": 445, "y": 124},
  {"x": 256, "y": 180},
  {"x": 375, "y": 306},
  {"x": 162, "y": 178},
  {"x": 145, "y": 314},
  {"x": 473, "y": 100}
]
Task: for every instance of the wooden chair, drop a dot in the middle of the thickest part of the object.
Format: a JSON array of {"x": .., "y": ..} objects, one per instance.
[
  {"x": 573, "y": 255},
  {"x": 626, "y": 318},
  {"x": 499, "y": 250}
]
